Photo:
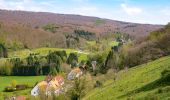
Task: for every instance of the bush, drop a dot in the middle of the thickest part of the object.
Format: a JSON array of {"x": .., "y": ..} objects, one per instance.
[
  {"x": 98, "y": 84},
  {"x": 166, "y": 76},
  {"x": 3, "y": 51},
  {"x": 78, "y": 90},
  {"x": 9, "y": 89},
  {"x": 163, "y": 90},
  {"x": 13, "y": 83},
  {"x": 151, "y": 97},
  {"x": 6, "y": 68}
]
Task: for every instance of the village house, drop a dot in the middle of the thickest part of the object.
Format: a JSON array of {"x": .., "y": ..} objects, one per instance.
[
  {"x": 51, "y": 84},
  {"x": 76, "y": 72}
]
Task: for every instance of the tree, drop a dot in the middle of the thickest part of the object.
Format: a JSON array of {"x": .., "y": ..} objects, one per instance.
[
  {"x": 17, "y": 64},
  {"x": 54, "y": 61},
  {"x": 53, "y": 70},
  {"x": 30, "y": 60},
  {"x": 3, "y": 51},
  {"x": 78, "y": 90},
  {"x": 72, "y": 59},
  {"x": 109, "y": 60}
]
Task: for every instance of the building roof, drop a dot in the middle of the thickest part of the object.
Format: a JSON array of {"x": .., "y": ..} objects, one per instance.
[
  {"x": 58, "y": 78},
  {"x": 20, "y": 98},
  {"x": 76, "y": 70},
  {"x": 42, "y": 84},
  {"x": 54, "y": 84}
]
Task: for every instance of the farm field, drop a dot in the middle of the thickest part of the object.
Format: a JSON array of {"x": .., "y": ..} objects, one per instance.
[{"x": 127, "y": 82}]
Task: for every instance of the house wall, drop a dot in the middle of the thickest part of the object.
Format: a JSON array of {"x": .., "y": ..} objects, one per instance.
[{"x": 34, "y": 91}]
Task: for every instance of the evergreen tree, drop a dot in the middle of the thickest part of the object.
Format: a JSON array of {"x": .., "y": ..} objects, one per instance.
[{"x": 72, "y": 59}]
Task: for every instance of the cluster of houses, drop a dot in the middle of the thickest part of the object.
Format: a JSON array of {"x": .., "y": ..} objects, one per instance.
[
  {"x": 54, "y": 84},
  {"x": 51, "y": 84}
]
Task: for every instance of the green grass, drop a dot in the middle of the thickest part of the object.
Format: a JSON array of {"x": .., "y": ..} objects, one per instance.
[
  {"x": 20, "y": 53},
  {"x": 29, "y": 80},
  {"x": 43, "y": 51},
  {"x": 131, "y": 80}
]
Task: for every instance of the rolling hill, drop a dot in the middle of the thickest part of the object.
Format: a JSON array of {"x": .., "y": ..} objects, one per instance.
[
  {"x": 137, "y": 83},
  {"x": 27, "y": 28}
]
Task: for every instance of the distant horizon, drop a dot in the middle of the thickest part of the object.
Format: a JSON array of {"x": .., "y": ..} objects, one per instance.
[{"x": 141, "y": 11}]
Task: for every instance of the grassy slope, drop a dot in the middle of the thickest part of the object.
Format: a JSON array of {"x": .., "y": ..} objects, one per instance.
[{"x": 133, "y": 79}]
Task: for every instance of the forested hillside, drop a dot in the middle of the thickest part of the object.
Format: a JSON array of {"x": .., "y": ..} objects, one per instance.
[{"x": 39, "y": 29}]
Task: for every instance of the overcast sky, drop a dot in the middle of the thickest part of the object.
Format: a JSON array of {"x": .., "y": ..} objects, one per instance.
[{"x": 139, "y": 11}]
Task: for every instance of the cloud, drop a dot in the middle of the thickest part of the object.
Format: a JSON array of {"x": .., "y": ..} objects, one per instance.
[{"x": 131, "y": 10}]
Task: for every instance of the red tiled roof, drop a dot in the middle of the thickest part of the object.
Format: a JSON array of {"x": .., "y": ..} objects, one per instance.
[{"x": 20, "y": 98}]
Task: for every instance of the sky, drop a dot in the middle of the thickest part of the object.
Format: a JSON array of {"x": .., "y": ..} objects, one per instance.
[{"x": 138, "y": 11}]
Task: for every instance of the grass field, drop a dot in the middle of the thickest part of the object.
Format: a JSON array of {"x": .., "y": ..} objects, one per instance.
[
  {"x": 44, "y": 51},
  {"x": 28, "y": 80},
  {"x": 128, "y": 81}
]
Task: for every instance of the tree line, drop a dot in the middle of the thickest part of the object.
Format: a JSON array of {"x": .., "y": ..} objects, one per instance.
[{"x": 36, "y": 64}]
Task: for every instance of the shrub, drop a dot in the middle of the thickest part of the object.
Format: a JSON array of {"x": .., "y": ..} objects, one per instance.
[
  {"x": 98, "y": 84},
  {"x": 13, "y": 83},
  {"x": 163, "y": 90},
  {"x": 151, "y": 97},
  {"x": 78, "y": 90},
  {"x": 6, "y": 68},
  {"x": 9, "y": 89},
  {"x": 3, "y": 51},
  {"x": 166, "y": 76},
  {"x": 160, "y": 90}
]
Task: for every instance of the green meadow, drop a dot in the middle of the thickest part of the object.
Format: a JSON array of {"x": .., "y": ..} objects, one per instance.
[{"x": 28, "y": 80}]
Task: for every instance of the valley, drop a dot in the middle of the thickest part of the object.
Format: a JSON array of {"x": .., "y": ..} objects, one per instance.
[{"x": 50, "y": 56}]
